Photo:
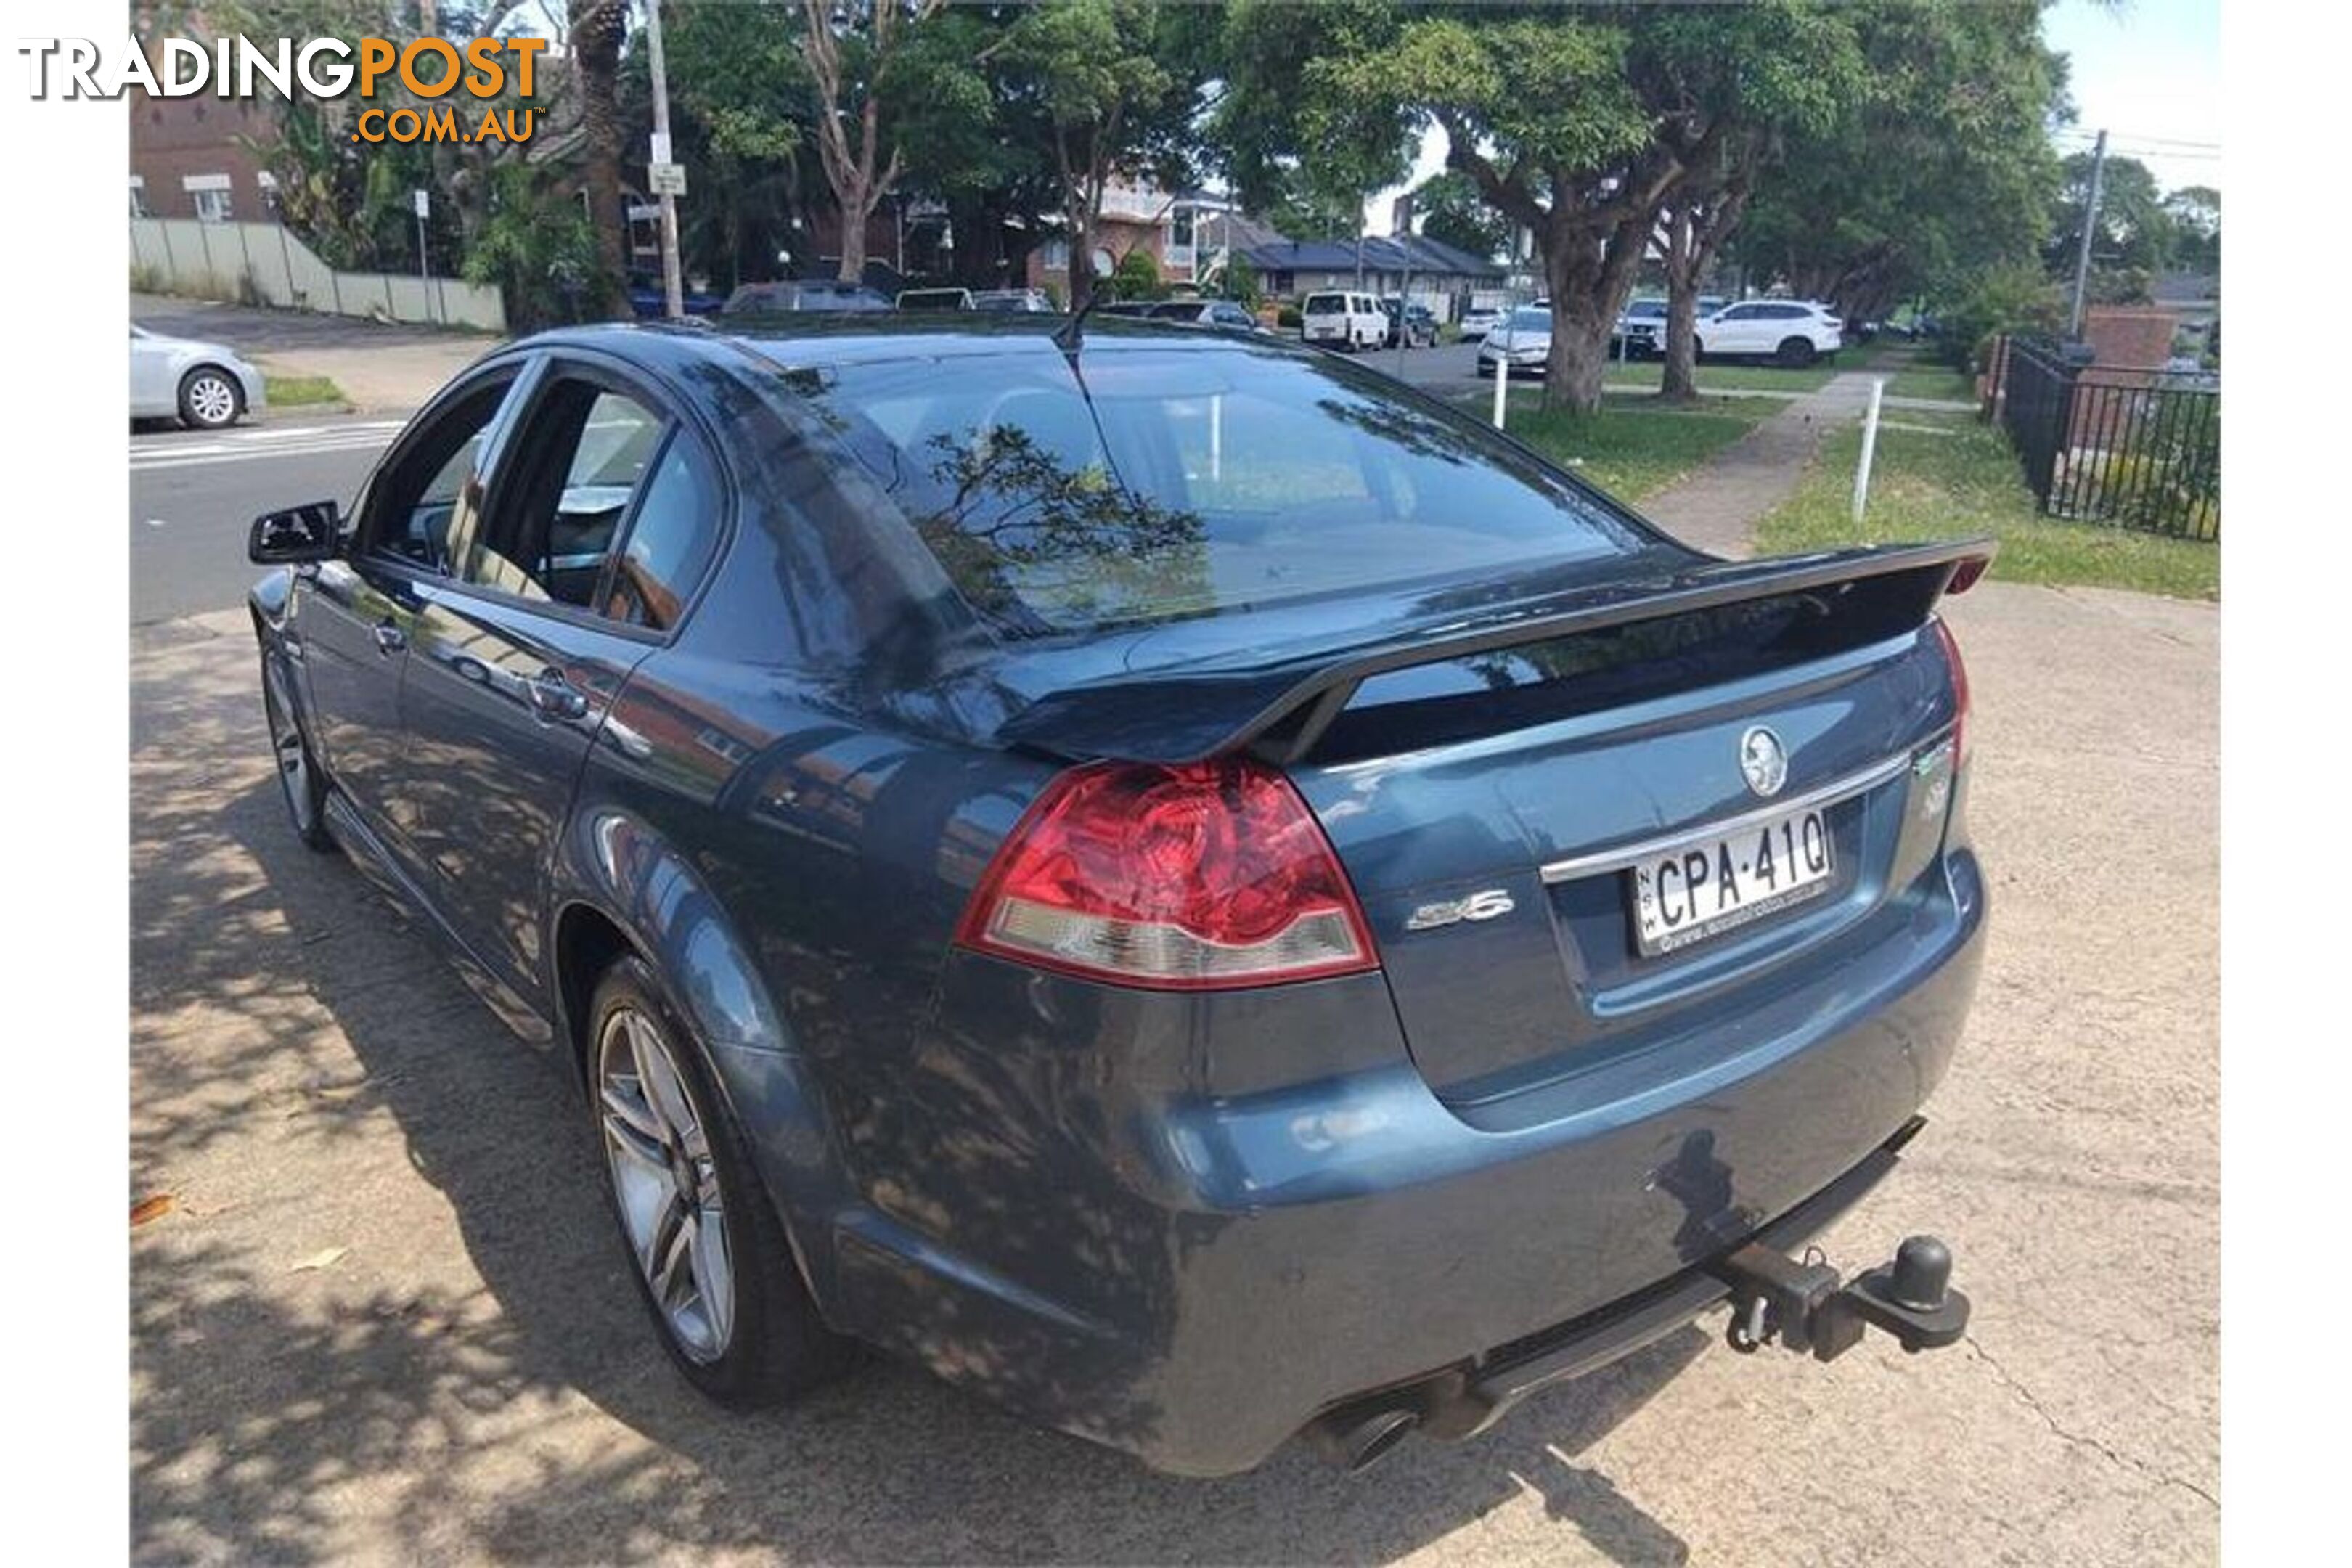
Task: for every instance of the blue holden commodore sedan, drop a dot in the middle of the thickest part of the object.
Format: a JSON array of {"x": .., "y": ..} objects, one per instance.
[{"x": 1159, "y": 873}]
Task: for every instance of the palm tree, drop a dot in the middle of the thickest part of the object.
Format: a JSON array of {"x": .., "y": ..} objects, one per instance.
[{"x": 598, "y": 28}]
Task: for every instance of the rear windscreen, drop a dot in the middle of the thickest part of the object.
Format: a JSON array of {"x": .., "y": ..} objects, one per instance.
[
  {"x": 1326, "y": 305},
  {"x": 1177, "y": 484}
]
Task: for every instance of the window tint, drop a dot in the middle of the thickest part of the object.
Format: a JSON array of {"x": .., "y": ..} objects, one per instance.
[
  {"x": 1326, "y": 305},
  {"x": 1179, "y": 484},
  {"x": 434, "y": 492},
  {"x": 577, "y": 468},
  {"x": 671, "y": 541}
]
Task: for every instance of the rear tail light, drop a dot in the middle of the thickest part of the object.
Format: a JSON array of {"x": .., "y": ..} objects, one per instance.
[
  {"x": 1197, "y": 877},
  {"x": 1959, "y": 691}
]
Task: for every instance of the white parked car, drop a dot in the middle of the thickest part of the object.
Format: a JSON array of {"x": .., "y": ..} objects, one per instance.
[
  {"x": 1788, "y": 331},
  {"x": 1476, "y": 324},
  {"x": 208, "y": 386},
  {"x": 1523, "y": 340},
  {"x": 1344, "y": 319}
]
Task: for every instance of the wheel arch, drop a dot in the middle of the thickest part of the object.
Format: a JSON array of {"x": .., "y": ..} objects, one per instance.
[{"x": 624, "y": 891}]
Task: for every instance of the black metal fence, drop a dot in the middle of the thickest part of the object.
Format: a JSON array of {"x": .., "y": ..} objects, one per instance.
[{"x": 2126, "y": 448}]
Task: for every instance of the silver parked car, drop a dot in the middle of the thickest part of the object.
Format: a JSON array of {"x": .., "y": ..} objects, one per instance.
[{"x": 208, "y": 386}]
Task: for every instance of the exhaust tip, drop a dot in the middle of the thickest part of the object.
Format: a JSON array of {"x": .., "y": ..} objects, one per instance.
[{"x": 1357, "y": 1442}]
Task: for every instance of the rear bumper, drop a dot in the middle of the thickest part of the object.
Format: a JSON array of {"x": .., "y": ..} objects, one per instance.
[{"x": 1193, "y": 1277}]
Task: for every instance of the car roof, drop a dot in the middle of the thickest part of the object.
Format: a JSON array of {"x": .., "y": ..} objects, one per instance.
[{"x": 812, "y": 337}]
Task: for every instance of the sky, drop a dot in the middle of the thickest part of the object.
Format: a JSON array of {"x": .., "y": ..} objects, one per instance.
[{"x": 2149, "y": 71}]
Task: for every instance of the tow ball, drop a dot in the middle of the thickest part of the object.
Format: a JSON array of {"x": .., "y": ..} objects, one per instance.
[{"x": 1807, "y": 1306}]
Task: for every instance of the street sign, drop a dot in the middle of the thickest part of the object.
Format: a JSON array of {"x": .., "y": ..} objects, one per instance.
[
  {"x": 666, "y": 179},
  {"x": 661, "y": 147},
  {"x": 424, "y": 200}
]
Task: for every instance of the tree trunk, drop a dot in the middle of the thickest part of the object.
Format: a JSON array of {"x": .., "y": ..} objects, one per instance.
[
  {"x": 598, "y": 27},
  {"x": 1679, "y": 383},
  {"x": 1589, "y": 274}
]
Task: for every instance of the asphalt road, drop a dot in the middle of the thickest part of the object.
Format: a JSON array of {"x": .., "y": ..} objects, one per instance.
[{"x": 195, "y": 494}]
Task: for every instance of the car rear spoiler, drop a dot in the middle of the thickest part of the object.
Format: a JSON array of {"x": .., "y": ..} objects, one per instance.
[{"x": 1280, "y": 705}]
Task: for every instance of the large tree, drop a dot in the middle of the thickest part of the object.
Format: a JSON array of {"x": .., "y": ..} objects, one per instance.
[
  {"x": 2131, "y": 241},
  {"x": 1935, "y": 169},
  {"x": 1580, "y": 125},
  {"x": 1115, "y": 92},
  {"x": 849, "y": 47}
]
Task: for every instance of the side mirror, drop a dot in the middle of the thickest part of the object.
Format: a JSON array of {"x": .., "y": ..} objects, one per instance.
[{"x": 314, "y": 531}]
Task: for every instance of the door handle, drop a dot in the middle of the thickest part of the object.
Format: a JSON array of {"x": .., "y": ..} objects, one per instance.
[
  {"x": 389, "y": 639},
  {"x": 554, "y": 697}
]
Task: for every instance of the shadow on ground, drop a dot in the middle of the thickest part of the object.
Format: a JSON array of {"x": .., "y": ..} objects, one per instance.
[{"x": 476, "y": 1380}]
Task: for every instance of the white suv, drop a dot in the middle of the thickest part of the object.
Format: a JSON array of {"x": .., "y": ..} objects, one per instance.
[
  {"x": 1792, "y": 331},
  {"x": 1347, "y": 318}
]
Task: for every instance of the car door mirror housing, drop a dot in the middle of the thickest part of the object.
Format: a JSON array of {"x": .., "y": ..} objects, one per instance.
[{"x": 312, "y": 531}]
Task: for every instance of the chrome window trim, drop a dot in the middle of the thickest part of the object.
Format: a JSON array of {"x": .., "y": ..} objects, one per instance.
[{"x": 1626, "y": 855}]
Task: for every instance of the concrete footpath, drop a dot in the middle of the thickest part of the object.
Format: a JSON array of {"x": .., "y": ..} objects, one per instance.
[{"x": 1715, "y": 508}]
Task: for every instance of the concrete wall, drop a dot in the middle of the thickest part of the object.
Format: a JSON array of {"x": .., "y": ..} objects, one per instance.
[{"x": 261, "y": 262}]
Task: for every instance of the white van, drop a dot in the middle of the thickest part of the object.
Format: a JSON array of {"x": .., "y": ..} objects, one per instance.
[{"x": 1345, "y": 318}]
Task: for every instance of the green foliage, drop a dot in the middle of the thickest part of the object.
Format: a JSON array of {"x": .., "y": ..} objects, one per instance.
[
  {"x": 1450, "y": 211},
  {"x": 1241, "y": 282},
  {"x": 1288, "y": 316},
  {"x": 1137, "y": 276},
  {"x": 2134, "y": 233},
  {"x": 1936, "y": 164},
  {"x": 2195, "y": 214},
  {"x": 2014, "y": 298},
  {"x": 541, "y": 251}
]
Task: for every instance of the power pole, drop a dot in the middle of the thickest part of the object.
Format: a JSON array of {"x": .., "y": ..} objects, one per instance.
[
  {"x": 672, "y": 287},
  {"x": 2083, "y": 254}
]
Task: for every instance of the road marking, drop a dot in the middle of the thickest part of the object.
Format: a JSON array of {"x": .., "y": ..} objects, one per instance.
[
  {"x": 174, "y": 457},
  {"x": 154, "y": 523}
]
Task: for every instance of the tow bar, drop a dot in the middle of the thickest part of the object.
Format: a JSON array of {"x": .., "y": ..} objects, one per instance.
[{"x": 1807, "y": 1306}]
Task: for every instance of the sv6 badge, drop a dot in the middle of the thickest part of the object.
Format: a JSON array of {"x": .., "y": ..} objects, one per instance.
[{"x": 1484, "y": 905}]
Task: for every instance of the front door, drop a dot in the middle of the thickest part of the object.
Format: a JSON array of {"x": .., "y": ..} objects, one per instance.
[
  {"x": 519, "y": 651},
  {"x": 355, "y": 618}
]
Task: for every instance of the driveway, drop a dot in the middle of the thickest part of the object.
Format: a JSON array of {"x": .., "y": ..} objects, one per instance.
[{"x": 386, "y": 1320}]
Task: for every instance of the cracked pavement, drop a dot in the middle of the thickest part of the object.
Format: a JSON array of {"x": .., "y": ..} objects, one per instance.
[{"x": 470, "y": 1380}]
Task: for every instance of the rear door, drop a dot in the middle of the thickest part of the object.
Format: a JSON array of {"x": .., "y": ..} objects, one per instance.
[{"x": 603, "y": 517}]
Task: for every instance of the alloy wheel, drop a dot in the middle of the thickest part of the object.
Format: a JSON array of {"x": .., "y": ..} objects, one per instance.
[
  {"x": 664, "y": 1184},
  {"x": 211, "y": 399}
]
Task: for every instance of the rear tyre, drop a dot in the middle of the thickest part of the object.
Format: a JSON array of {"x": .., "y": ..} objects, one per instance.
[
  {"x": 1796, "y": 353},
  {"x": 300, "y": 782},
  {"x": 711, "y": 1258},
  {"x": 210, "y": 398}
]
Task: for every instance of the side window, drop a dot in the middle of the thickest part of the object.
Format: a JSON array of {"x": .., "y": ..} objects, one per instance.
[
  {"x": 434, "y": 493},
  {"x": 560, "y": 506},
  {"x": 671, "y": 541}
]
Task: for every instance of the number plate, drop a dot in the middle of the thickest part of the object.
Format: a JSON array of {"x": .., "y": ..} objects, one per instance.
[{"x": 1713, "y": 885}]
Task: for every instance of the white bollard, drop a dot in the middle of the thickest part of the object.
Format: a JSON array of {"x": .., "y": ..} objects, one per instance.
[
  {"x": 1869, "y": 446},
  {"x": 1502, "y": 385}
]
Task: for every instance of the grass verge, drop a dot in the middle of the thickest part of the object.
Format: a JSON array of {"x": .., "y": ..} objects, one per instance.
[
  {"x": 300, "y": 390},
  {"x": 1941, "y": 486},
  {"x": 1932, "y": 380},
  {"x": 1634, "y": 451}
]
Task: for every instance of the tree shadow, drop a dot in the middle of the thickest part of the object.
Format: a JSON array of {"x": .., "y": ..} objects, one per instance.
[{"x": 513, "y": 1403}]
